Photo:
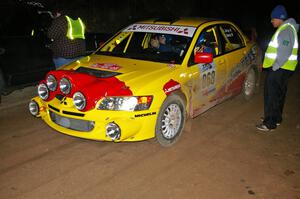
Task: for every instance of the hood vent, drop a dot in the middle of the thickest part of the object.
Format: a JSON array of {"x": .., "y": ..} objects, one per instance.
[{"x": 97, "y": 73}]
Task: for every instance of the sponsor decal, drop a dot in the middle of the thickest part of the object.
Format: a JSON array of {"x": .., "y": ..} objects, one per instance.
[
  {"x": 64, "y": 100},
  {"x": 145, "y": 114},
  {"x": 285, "y": 42},
  {"x": 108, "y": 66},
  {"x": 33, "y": 3},
  {"x": 228, "y": 32},
  {"x": 208, "y": 77},
  {"x": 166, "y": 29},
  {"x": 246, "y": 60},
  {"x": 206, "y": 67},
  {"x": 171, "y": 86}
]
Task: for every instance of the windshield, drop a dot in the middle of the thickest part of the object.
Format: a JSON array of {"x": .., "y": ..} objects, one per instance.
[{"x": 151, "y": 46}]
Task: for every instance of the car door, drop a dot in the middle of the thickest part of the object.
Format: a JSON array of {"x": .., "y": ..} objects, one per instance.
[
  {"x": 209, "y": 78},
  {"x": 233, "y": 46}
]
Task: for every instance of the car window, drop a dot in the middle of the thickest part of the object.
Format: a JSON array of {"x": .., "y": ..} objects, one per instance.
[
  {"x": 207, "y": 42},
  {"x": 230, "y": 38},
  {"x": 150, "y": 46}
]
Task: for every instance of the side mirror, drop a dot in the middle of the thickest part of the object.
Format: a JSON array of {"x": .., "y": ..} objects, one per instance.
[{"x": 203, "y": 58}]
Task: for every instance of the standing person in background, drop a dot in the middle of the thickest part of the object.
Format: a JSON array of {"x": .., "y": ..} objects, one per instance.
[
  {"x": 68, "y": 40},
  {"x": 280, "y": 60}
]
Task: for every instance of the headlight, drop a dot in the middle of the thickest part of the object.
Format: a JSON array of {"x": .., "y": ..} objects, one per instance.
[
  {"x": 79, "y": 100},
  {"x": 43, "y": 91},
  {"x": 51, "y": 83},
  {"x": 135, "y": 103},
  {"x": 65, "y": 86}
]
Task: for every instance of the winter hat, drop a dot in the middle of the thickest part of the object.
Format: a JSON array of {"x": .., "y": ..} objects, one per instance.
[{"x": 279, "y": 12}]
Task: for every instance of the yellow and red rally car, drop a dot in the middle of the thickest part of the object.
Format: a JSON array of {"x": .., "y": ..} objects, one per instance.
[{"x": 148, "y": 79}]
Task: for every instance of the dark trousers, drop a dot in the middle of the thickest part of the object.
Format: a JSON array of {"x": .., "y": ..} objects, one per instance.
[{"x": 274, "y": 96}]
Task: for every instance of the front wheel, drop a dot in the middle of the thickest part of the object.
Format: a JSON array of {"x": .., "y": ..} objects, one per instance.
[{"x": 170, "y": 120}]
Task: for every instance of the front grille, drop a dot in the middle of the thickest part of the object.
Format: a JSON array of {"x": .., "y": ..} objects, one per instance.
[
  {"x": 72, "y": 113},
  {"x": 70, "y": 123}
]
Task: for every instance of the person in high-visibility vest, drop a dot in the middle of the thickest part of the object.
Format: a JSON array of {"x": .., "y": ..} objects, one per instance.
[
  {"x": 280, "y": 61},
  {"x": 68, "y": 40}
]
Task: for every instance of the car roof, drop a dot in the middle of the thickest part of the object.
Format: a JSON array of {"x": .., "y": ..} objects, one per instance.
[{"x": 193, "y": 21}]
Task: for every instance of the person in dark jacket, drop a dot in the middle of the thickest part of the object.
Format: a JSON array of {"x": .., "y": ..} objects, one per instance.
[{"x": 67, "y": 36}]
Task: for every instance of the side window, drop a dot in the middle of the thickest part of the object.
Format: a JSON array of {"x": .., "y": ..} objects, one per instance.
[
  {"x": 231, "y": 38},
  {"x": 121, "y": 44},
  {"x": 207, "y": 42},
  {"x": 126, "y": 42},
  {"x": 118, "y": 43}
]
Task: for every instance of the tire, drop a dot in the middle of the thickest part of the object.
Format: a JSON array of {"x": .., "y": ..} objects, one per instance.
[
  {"x": 249, "y": 86},
  {"x": 170, "y": 120}
]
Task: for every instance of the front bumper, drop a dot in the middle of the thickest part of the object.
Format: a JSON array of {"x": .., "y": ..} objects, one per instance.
[{"x": 63, "y": 117}]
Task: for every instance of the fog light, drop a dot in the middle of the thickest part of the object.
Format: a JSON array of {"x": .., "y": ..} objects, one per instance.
[
  {"x": 113, "y": 131},
  {"x": 43, "y": 91},
  {"x": 34, "y": 108},
  {"x": 79, "y": 101},
  {"x": 65, "y": 86},
  {"x": 51, "y": 83}
]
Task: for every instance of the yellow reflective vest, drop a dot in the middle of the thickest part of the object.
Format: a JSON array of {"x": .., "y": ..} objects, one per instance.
[
  {"x": 271, "y": 52},
  {"x": 76, "y": 28}
]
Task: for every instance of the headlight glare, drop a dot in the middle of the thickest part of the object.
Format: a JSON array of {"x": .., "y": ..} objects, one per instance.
[
  {"x": 65, "y": 86},
  {"x": 43, "y": 91},
  {"x": 132, "y": 103},
  {"x": 51, "y": 83},
  {"x": 79, "y": 100}
]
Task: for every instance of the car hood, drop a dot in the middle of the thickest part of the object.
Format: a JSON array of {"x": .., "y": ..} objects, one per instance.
[{"x": 135, "y": 73}]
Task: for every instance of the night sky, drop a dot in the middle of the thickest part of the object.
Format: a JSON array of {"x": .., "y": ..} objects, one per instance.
[
  {"x": 110, "y": 16},
  {"x": 118, "y": 13}
]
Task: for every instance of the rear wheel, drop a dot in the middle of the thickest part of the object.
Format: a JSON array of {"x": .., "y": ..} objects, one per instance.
[
  {"x": 170, "y": 120},
  {"x": 249, "y": 86}
]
